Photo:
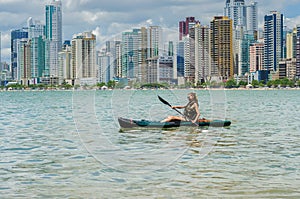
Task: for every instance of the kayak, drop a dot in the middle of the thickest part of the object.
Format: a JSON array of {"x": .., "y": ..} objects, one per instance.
[{"x": 131, "y": 123}]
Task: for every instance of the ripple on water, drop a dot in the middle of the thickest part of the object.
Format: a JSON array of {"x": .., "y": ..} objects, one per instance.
[{"x": 43, "y": 155}]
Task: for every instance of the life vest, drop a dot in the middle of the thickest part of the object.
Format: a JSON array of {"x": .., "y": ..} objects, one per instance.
[{"x": 190, "y": 111}]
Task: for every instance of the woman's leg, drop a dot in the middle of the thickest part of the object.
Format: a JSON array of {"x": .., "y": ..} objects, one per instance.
[{"x": 170, "y": 118}]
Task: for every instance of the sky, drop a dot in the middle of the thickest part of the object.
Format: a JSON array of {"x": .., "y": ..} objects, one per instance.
[{"x": 108, "y": 18}]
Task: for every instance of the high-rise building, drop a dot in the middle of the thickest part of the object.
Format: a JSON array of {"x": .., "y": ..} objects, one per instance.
[
  {"x": 118, "y": 59},
  {"x": 53, "y": 31},
  {"x": 0, "y": 53},
  {"x": 16, "y": 36},
  {"x": 113, "y": 51},
  {"x": 143, "y": 49},
  {"x": 252, "y": 19},
  {"x": 154, "y": 50},
  {"x": 221, "y": 47},
  {"x": 24, "y": 61},
  {"x": 242, "y": 15},
  {"x": 287, "y": 69},
  {"x": 256, "y": 57},
  {"x": 291, "y": 41},
  {"x": 131, "y": 54},
  {"x": 66, "y": 72},
  {"x": 242, "y": 57},
  {"x": 298, "y": 53},
  {"x": 37, "y": 45},
  {"x": 245, "y": 26},
  {"x": 105, "y": 63},
  {"x": 184, "y": 26},
  {"x": 190, "y": 51},
  {"x": 236, "y": 10},
  {"x": 38, "y": 70},
  {"x": 273, "y": 39},
  {"x": 202, "y": 53},
  {"x": 165, "y": 69},
  {"x": 180, "y": 59},
  {"x": 171, "y": 49},
  {"x": 84, "y": 58},
  {"x": 35, "y": 29}
]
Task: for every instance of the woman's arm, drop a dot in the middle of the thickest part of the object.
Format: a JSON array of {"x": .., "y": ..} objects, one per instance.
[{"x": 179, "y": 107}]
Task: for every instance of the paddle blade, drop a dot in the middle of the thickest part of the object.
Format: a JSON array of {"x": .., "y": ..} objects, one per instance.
[{"x": 164, "y": 101}]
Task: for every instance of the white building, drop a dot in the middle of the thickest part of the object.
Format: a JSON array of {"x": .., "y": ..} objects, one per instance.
[
  {"x": 105, "y": 62},
  {"x": 53, "y": 30},
  {"x": 84, "y": 58},
  {"x": 202, "y": 55},
  {"x": 66, "y": 71},
  {"x": 154, "y": 50}
]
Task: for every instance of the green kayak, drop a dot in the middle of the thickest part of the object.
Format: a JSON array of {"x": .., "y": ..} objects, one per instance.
[{"x": 131, "y": 123}]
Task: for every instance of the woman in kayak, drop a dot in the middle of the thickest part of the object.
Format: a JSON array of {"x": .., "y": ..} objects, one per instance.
[{"x": 191, "y": 110}]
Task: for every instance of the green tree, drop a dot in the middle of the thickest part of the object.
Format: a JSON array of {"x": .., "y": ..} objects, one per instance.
[
  {"x": 242, "y": 84},
  {"x": 255, "y": 83},
  {"x": 276, "y": 83},
  {"x": 111, "y": 84},
  {"x": 270, "y": 83},
  {"x": 231, "y": 83},
  {"x": 284, "y": 82},
  {"x": 16, "y": 86},
  {"x": 100, "y": 84}
]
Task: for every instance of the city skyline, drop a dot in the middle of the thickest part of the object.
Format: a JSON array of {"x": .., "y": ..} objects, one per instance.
[{"x": 108, "y": 18}]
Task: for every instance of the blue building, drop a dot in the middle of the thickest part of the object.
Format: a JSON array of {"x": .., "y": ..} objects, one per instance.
[
  {"x": 16, "y": 35},
  {"x": 273, "y": 36},
  {"x": 180, "y": 59}
]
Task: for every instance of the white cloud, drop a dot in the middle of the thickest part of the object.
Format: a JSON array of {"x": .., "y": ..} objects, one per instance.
[
  {"x": 292, "y": 22},
  {"x": 116, "y": 16}
]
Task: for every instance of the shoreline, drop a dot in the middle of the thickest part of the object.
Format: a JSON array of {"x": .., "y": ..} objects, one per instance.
[{"x": 203, "y": 89}]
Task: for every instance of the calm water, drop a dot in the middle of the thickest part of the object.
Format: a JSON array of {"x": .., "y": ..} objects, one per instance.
[{"x": 68, "y": 145}]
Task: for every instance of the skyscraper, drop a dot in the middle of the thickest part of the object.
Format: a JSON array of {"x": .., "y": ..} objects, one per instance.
[
  {"x": 245, "y": 26},
  {"x": 202, "y": 53},
  {"x": 273, "y": 38},
  {"x": 298, "y": 53},
  {"x": 24, "y": 61},
  {"x": 0, "y": 53},
  {"x": 252, "y": 18},
  {"x": 291, "y": 41},
  {"x": 118, "y": 59},
  {"x": 190, "y": 53},
  {"x": 131, "y": 43},
  {"x": 221, "y": 49},
  {"x": 105, "y": 63},
  {"x": 256, "y": 57},
  {"x": 66, "y": 72},
  {"x": 236, "y": 10},
  {"x": 53, "y": 32},
  {"x": 184, "y": 26},
  {"x": 154, "y": 50},
  {"x": 243, "y": 16},
  {"x": 15, "y": 37},
  {"x": 243, "y": 57},
  {"x": 84, "y": 58},
  {"x": 37, "y": 46},
  {"x": 180, "y": 59}
]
